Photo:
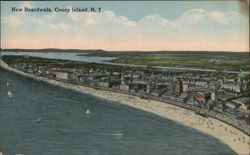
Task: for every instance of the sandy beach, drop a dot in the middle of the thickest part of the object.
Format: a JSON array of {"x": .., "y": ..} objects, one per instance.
[{"x": 231, "y": 136}]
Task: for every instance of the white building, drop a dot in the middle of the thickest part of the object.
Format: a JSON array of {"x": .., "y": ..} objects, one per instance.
[
  {"x": 213, "y": 97},
  {"x": 185, "y": 86},
  {"x": 202, "y": 83},
  {"x": 234, "y": 86},
  {"x": 65, "y": 75}
]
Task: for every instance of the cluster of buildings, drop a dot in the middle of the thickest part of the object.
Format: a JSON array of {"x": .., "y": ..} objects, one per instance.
[{"x": 223, "y": 94}]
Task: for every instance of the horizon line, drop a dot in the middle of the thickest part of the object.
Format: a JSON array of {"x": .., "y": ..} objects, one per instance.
[{"x": 2, "y": 49}]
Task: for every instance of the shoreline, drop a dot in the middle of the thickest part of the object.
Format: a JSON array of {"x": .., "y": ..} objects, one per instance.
[{"x": 234, "y": 138}]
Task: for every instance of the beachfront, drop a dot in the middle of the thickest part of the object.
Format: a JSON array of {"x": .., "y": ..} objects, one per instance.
[{"x": 234, "y": 138}]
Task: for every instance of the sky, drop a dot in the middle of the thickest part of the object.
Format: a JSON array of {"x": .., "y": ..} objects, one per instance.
[{"x": 126, "y": 26}]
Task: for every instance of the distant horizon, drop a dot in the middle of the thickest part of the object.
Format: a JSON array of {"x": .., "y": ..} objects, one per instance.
[{"x": 146, "y": 51}]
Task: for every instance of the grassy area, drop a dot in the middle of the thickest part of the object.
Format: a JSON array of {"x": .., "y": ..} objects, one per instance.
[
  {"x": 206, "y": 60},
  {"x": 69, "y": 64}
]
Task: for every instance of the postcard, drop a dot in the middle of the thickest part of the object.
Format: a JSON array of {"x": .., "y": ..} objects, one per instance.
[{"x": 124, "y": 78}]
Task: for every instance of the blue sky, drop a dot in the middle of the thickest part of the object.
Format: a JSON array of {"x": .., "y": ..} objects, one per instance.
[
  {"x": 138, "y": 9},
  {"x": 161, "y": 25}
]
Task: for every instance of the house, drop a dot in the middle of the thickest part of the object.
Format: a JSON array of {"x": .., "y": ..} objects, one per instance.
[
  {"x": 155, "y": 92},
  {"x": 222, "y": 96},
  {"x": 182, "y": 97},
  {"x": 210, "y": 104},
  {"x": 51, "y": 76},
  {"x": 178, "y": 86},
  {"x": 142, "y": 91},
  {"x": 231, "y": 104},
  {"x": 116, "y": 73},
  {"x": 219, "y": 108},
  {"x": 244, "y": 103},
  {"x": 103, "y": 84},
  {"x": 202, "y": 83},
  {"x": 167, "y": 94},
  {"x": 185, "y": 86},
  {"x": 41, "y": 71},
  {"x": 134, "y": 88},
  {"x": 231, "y": 86},
  {"x": 200, "y": 98},
  {"x": 233, "y": 113},
  {"x": 213, "y": 96},
  {"x": 124, "y": 87},
  {"x": 63, "y": 74},
  {"x": 114, "y": 83}
]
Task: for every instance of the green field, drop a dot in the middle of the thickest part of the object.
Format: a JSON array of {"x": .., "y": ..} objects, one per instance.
[
  {"x": 11, "y": 59},
  {"x": 234, "y": 61}
]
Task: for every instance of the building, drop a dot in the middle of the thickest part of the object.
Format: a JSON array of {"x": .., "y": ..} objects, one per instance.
[
  {"x": 231, "y": 104},
  {"x": 178, "y": 86},
  {"x": 213, "y": 97},
  {"x": 185, "y": 86},
  {"x": 124, "y": 87},
  {"x": 244, "y": 103},
  {"x": 103, "y": 84},
  {"x": 231, "y": 86},
  {"x": 155, "y": 92},
  {"x": 168, "y": 93},
  {"x": 200, "y": 98},
  {"x": 233, "y": 113},
  {"x": 202, "y": 83},
  {"x": 148, "y": 88},
  {"x": 65, "y": 75},
  {"x": 219, "y": 108},
  {"x": 182, "y": 97},
  {"x": 210, "y": 104}
]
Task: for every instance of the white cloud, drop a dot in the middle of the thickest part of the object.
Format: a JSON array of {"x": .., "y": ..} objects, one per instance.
[
  {"x": 22, "y": 18},
  {"x": 224, "y": 18},
  {"x": 218, "y": 16},
  {"x": 74, "y": 16},
  {"x": 13, "y": 21},
  {"x": 17, "y": 20},
  {"x": 46, "y": 19},
  {"x": 194, "y": 15},
  {"x": 50, "y": 16},
  {"x": 107, "y": 17},
  {"x": 155, "y": 19},
  {"x": 110, "y": 21},
  {"x": 195, "y": 24},
  {"x": 198, "y": 16},
  {"x": 36, "y": 20},
  {"x": 109, "y": 14},
  {"x": 60, "y": 26},
  {"x": 28, "y": 4}
]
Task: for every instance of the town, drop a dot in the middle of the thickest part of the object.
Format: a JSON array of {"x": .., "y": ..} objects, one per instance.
[{"x": 219, "y": 95}]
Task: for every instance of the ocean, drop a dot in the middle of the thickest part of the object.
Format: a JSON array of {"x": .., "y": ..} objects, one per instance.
[{"x": 37, "y": 118}]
